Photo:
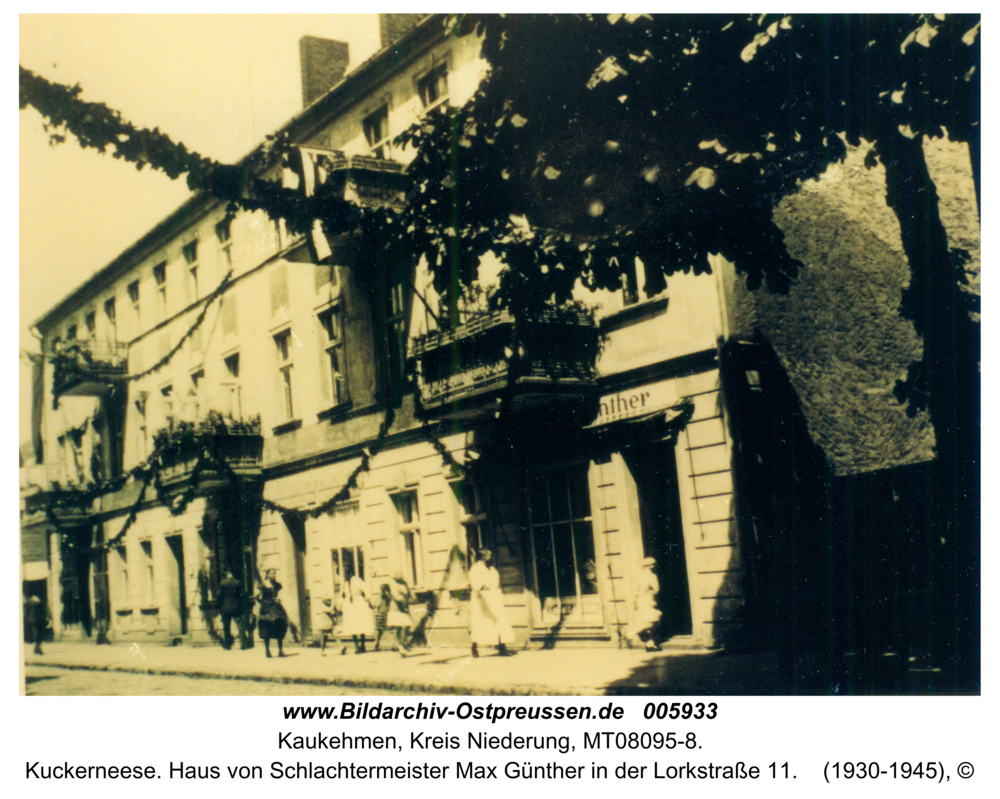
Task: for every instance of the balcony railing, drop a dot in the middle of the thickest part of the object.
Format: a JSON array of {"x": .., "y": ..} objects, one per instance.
[
  {"x": 49, "y": 485},
  {"x": 236, "y": 445},
  {"x": 544, "y": 362},
  {"x": 88, "y": 368}
]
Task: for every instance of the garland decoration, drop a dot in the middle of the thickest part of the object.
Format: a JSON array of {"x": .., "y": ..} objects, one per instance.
[{"x": 223, "y": 285}]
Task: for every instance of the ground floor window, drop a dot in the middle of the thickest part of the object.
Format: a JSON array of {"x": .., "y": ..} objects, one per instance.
[{"x": 562, "y": 540}]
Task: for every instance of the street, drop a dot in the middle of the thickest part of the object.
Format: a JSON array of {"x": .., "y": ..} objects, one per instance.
[{"x": 52, "y": 681}]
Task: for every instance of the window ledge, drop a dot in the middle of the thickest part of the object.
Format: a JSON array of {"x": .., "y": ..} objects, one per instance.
[
  {"x": 641, "y": 311},
  {"x": 336, "y": 412},
  {"x": 287, "y": 427}
]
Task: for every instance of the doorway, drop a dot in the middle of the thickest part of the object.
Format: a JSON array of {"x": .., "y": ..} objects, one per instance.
[
  {"x": 654, "y": 469},
  {"x": 176, "y": 585}
]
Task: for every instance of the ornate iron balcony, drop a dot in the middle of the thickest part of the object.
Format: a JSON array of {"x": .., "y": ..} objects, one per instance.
[
  {"x": 226, "y": 450},
  {"x": 88, "y": 368},
  {"x": 546, "y": 362}
]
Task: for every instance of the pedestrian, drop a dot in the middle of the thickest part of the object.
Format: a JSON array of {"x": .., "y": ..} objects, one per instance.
[
  {"x": 488, "y": 624},
  {"x": 398, "y": 617},
  {"x": 645, "y": 613},
  {"x": 381, "y": 612},
  {"x": 37, "y": 615},
  {"x": 358, "y": 621},
  {"x": 230, "y": 607},
  {"x": 272, "y": 621}
]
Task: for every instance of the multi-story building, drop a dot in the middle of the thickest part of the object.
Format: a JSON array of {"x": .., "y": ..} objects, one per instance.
[{"x": 255, "y": 366}]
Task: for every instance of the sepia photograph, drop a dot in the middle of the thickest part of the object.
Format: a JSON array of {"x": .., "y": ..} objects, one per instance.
[{"x": 570, "y": 354}]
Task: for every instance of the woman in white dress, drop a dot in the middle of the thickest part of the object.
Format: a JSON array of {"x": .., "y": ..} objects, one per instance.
[
  {"x": 358, "y": 621},
  {"x": 488, "y": 624},
  {"x": 645, "y": 613}
]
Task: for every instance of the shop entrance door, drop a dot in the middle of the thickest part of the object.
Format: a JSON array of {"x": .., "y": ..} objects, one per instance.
[
  {"x": 655, "y": 472},
  {"x": 562, "y": 540}
]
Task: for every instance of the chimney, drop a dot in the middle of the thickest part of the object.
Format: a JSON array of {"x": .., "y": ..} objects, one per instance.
[
  {"x": 324, "y": 62},
  {"x": 392, "y": 26}
]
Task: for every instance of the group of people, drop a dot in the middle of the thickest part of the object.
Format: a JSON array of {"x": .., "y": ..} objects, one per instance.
[{"x": 364, "y": 617}]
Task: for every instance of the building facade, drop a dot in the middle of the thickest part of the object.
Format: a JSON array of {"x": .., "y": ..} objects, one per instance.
[{"x": 253, "y": 366}]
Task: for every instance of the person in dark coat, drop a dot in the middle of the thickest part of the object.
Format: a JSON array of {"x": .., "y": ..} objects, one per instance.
[
  {"x": 37, "y": 617},
  {"x": 230, "y": 607},
  {"x": 272, "y": 621}
]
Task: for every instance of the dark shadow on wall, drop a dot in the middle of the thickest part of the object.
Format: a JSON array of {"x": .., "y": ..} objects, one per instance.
[{"x": 843, "y": 576}]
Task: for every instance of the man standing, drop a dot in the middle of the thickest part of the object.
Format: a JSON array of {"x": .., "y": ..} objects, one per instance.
[
  {"x": 488, "y": 623},
  {"x": 230, "y": 605},
  {"x": 36, "y": 613}
]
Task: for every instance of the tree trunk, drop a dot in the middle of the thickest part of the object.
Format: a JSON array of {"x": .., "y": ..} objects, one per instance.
[{"x": 948, "y": 380}]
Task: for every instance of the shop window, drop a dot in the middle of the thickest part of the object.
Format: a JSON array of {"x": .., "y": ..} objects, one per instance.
[
  {"x": 473, "y": 514},
  {"x": 149, "y": 573},
  {"x": 347, "y": 561},
  {"x": 122, "y": 571},
  {"x": 376, "y": 129},
  {"x": 562, "y": 539},
  {"x": 408, "y": 525}
]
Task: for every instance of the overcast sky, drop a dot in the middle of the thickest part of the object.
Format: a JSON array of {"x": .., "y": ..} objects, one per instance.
[{"x": 217, "y": 83}]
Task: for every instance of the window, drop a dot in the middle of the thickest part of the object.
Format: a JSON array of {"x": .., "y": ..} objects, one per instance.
[
  {"x": 150, "y": 587},
  {"x": 167, "y": 398},
  {"x": 562, "y": 538},
  {"x": 160, "y": 276},
  {"x": 90, "y": 322},
  {"x": 630, "y": 284},
  {"x": 333, "y": 367},
  {"x": 109, "y": 317},
  {"x": 472, "y": 512},
  {"x": 433, "y": 86},
  {"x": 408, "y": 524},
  {"x": 190, "y": 252},
  {"x": 376, "y": 128},
  {"x": 283, "y": 347},
  {"x": 231, "y": 386},
  {"x": 223, "y": 233},
  {"x": 133, "y": 297},
  {"x": 122, "y": 569},
  {"x": 346, "y": 561},
  {"x": 71, "y": 333},
  {"x": 396, "y": 332}
]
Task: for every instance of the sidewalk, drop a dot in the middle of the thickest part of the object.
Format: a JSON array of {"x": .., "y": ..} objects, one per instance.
[{"x": 570, "y": 671}]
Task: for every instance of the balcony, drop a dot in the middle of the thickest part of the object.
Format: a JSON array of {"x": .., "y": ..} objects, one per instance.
[
  {"x": 546, "y": 363},
  {"x": 48, "y": 486},
  {"x": 236, "y": 443},
  {"x": 89, "y": 368},
  {"x": 364, "y": 180}
]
